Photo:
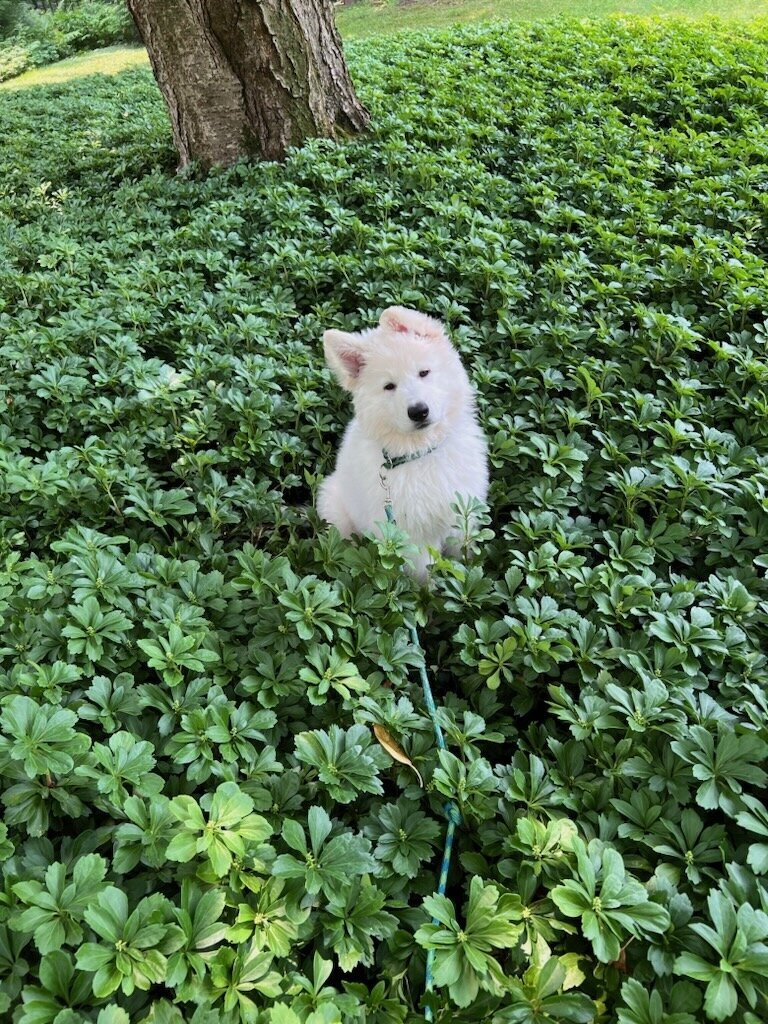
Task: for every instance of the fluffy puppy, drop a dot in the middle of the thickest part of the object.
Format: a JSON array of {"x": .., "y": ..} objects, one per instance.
[{"x": 415, "y": 426}]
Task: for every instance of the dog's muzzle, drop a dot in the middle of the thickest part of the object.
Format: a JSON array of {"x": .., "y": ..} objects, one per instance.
[{"x": 418, "y": 413}]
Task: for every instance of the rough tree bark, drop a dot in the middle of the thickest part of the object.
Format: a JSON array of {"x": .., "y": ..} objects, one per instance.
[{"x": 246, "y": 79}]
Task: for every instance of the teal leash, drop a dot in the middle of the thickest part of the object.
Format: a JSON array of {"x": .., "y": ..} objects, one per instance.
[{"x": 451, "y": 808}]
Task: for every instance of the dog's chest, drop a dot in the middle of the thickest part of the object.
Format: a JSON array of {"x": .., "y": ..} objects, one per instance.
[{"x": 421, "y": 493}]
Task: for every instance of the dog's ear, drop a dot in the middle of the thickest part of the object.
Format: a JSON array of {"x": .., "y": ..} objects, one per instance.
[
  {"x": 345, "y": 356},
  {"x": 410, "y": 321}
]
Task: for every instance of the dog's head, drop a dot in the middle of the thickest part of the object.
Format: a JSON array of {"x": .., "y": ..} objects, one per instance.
[{"x": 405, "y": 377}]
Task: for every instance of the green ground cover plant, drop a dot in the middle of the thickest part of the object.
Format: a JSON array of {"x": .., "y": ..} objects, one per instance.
[{"x": 200, "y": 824}]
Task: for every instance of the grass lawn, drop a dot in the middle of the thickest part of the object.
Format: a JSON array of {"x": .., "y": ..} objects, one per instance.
[
  {"x": 360, "y": 20},
  {"x": 107, "y": 61},
  {"x": 366, "y": 19}
]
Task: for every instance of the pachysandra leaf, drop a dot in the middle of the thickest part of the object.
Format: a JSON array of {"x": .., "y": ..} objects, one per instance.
[{"x": 720, "y": 1000}]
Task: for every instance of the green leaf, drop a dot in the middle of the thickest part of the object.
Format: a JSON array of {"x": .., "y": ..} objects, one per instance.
[
  {"x": 720, "y": 999},
  {"x": 571, "y": 899}
]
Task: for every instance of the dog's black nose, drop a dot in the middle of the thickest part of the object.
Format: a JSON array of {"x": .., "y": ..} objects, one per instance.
[{"x": 418, "y": 412}]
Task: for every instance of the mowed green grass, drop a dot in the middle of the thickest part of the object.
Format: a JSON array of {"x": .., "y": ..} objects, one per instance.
[
  {"x": 108, "y": 61},
  {"x": 365, "y": 18}
]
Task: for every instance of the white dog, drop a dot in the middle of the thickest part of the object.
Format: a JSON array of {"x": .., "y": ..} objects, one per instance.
[{"x": 414, "y": 438}]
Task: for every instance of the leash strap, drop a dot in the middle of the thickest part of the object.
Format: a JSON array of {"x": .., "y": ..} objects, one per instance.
[{"x": 450, "y": 807}]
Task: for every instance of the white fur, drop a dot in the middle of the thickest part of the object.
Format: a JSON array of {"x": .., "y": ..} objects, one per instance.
[{"x": 352, "y": 498}]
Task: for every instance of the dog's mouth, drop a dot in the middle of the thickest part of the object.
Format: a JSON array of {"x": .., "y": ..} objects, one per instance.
[{"x": 424, "y": 425}]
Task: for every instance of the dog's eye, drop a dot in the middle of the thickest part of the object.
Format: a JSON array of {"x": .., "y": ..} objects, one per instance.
[
  {"x": 423, "y": 373},
  {"x": 390, "y": 386}
]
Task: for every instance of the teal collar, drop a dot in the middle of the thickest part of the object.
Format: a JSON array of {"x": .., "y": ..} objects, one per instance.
[{"x": 393, "y": 461}]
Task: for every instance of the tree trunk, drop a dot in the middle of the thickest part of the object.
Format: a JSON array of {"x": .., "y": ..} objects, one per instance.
[{"x": 246, "y": 79}]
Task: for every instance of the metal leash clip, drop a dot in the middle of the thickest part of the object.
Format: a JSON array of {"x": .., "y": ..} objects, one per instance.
[{"x": 384, "y": 480}]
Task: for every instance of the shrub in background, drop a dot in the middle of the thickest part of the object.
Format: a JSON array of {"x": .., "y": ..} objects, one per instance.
[
  {"x": 40, "y": 38},
  {"x": 14, "y": 59},
  {"x": 11, "y": 16},
  {"x": 91, "y": 24}
]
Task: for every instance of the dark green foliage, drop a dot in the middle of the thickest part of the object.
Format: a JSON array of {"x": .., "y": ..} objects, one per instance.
[
  {"x": 200, "y": 825},
  {"x": 11, "y": 16}
]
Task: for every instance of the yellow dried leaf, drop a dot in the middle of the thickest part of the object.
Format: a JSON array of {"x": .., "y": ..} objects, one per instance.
[
  {"x": 393, "y": 748},
  {"x": 574, "y": 975}
]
